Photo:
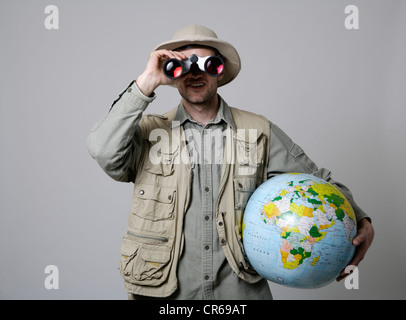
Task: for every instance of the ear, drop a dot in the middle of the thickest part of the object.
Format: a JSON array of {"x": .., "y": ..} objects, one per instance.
[{"x": 219, "y": 78}]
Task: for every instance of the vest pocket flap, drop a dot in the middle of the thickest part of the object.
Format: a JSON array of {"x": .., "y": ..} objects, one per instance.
[
  {"x": 143, "y": 264},
  {"x": 248, "y": 135},
  {"x": 154, "y": 202},
  {"x": 157, "y": 193},
  {"x": 249, "y": 148},
  {"x": 245, "y": 184},
  {"x": 243, "y": 189},
  {"x": 158, "y": 256},
  {"x": 128, "y": 248},
  {"x": 161, "y": 159},
  {"x": 160, "y": 169}
]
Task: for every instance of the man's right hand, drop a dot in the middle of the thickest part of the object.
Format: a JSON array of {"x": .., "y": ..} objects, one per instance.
[{"x": 153, "y": 76}]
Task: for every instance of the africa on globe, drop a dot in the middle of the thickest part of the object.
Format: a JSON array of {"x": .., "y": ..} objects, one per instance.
[{"x": 298, "y": 231}]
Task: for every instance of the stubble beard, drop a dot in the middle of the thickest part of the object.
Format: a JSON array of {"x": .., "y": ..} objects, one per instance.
[{"x": 208, "y": 97}]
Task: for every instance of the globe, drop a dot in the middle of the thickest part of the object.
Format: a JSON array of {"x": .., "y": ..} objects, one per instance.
[{"x": 298, "y": 231}]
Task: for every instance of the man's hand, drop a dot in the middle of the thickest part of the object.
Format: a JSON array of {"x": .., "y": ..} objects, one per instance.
[
  {"x": 362, "y": 241},
  {"x": 153, "y": 76}
]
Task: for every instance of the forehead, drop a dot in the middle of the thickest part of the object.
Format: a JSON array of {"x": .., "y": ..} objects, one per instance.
[{"x": 201, "y": 52}]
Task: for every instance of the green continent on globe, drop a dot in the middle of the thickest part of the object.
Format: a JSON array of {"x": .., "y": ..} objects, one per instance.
[{"x": 304, "y": 212}]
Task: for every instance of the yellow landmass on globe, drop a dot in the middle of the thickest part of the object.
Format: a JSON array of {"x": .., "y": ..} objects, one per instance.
[
  {"x": 329, "y": 190},
  {"x": 315, "y": 261},
  {"x": 301, "y": 210},
  {"x": 326, "y": 226},
  {"x": 290, "y": 264},
  {"x": 283, "y": 192},
  {"x": 271, "y": 210}
]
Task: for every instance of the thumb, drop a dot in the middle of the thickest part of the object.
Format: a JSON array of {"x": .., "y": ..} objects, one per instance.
[{"x": 358, "y": 239}]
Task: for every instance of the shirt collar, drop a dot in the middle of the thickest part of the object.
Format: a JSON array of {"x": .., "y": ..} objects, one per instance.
[{"x": 224, "y": 113}]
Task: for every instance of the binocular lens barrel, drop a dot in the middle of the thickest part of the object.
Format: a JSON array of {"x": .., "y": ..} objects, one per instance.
[
  {"x": 173, "y": 68},
  {"x": 214, "y": 66}
]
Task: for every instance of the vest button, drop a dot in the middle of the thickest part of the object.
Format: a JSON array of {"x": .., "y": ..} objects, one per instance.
[
  {"x": 220, "y": 223},
  {"x": 142, "y": 192},
  {"x": 223, "y": 241},
  {"x": 206, "y": 189},
  {"x": 169, "y": 197}
]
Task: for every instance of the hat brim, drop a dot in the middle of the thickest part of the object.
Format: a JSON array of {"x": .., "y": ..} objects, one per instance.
[{"x": 231, "y": 58}]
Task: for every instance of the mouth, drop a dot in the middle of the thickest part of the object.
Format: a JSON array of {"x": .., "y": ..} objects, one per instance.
[{"x": 196, "y": 84}]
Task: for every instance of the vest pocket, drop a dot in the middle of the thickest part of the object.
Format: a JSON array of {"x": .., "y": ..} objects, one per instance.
[
  {"x": 144, "y": 261},
  {"x": 160, "y": 169},
  {"x": 249, "y": 146},
  {"x": 243, "y": 189},
  {"x": 161, "y": 162},
  {"x": 153, "y": 202}
]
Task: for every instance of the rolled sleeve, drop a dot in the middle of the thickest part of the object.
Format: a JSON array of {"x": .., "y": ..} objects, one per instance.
[{"x": 116, "y": 141}]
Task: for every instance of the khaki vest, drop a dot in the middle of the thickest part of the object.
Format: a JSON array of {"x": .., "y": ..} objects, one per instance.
[{"x": 153, "y": 243}]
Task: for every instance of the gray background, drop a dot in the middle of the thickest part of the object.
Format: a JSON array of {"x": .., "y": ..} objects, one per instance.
[{"x": 340, "y": 94}]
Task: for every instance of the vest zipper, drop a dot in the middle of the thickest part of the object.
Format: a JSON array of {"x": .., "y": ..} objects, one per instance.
[{"x": 145, "y": 236}]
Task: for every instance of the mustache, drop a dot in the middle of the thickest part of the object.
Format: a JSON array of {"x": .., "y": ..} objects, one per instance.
[{"x": 195, "y": 79}]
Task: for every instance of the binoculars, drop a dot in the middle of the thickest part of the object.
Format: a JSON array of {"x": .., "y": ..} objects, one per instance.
[{"x": 212, "y": 65}]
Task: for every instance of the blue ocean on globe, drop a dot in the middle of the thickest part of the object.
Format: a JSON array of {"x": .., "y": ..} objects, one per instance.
[{"x": 298, "y": 231}]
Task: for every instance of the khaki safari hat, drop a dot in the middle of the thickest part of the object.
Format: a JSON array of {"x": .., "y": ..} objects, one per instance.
[{"x": 200, "y": 35}]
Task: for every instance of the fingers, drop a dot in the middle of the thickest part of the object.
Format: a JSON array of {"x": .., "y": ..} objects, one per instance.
[
  {"x": 343, "y": 275},
  {"x": 153, "y": 76},
  {"x": 362, "y": 241},
  {"x": 359, "y": 255},
  {"x": 360, "y": 238},
  {"x": 365, "y": 233},
  {"x": 169, "y": 54}
]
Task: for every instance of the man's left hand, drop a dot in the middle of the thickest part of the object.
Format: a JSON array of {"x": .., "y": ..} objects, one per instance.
[{"x": 362, "y": 241}]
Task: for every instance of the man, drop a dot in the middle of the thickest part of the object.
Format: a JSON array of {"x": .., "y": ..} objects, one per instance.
[{"x": 184, "y": 235}]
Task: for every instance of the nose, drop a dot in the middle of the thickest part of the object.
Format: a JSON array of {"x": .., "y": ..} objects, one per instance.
[{"x": 194, "y": 69}]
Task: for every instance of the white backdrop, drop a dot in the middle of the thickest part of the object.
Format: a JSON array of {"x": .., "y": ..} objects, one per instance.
[{"x": 340, "y": 94}]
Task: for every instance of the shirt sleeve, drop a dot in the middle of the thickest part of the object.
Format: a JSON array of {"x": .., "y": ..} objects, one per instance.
[
  {"x": 115, "y": 141},
  {"x": 285, "y": 156}
]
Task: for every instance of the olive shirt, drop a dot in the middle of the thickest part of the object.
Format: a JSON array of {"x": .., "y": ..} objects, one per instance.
[{"x": 203, "y": 270}]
